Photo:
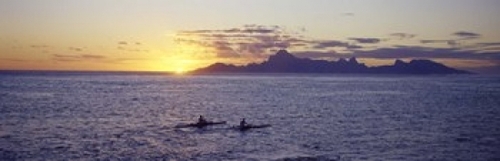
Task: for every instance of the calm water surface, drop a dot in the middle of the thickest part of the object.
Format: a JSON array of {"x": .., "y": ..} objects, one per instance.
[{"x": 92, "y": 116}]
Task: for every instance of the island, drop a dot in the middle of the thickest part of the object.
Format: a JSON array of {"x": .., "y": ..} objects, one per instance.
[{"x": 284, "y": 62}]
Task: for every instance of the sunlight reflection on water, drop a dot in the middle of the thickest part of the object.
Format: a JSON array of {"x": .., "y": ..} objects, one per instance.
[{"x": 348, "y": 117}]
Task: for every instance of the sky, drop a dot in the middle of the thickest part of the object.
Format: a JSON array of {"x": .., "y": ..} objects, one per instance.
[{"x": 182, "y": 35}]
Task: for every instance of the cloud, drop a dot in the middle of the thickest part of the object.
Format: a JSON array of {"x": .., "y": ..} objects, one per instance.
[
  {"x": 13, "y": 60},
  {"x": 247, "y": 29},
  {"x": 90, "y": 56},
  {"x": 466, "y": 35},
  {"x": 399, "y": 52},
  {"x": 489, "y": 44},
  {"x": 39, "y": 46},
  {"x": 42, "y": 48},
  {"x": 329, "y": 44},
  {"x": 320, "y": 54},
  {"x": 77, "y": 57},
  {"x": 402, "y": 52},
  {"x": 251, "y": 40},
  {"x": 129, "y": 43},
  {"x": 463, "y": 36},
  {"x": 449, "y": 42},
  {"x": 95, "y": 58},
  {"x": 401, "y": 36},
  {"x": 64, "y": 56},
  {"x": 347, "y": 14},
  {"x": 224, "y": 50},
  {"x": 366, "y": 40},
  {"x": 77, "y": 49},
  {"x": 257, "y": 41},
  {"x": 130, "y": 46}
]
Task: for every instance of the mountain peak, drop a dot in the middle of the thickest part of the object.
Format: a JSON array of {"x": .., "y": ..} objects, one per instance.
[
  {"x": 282, "y": 51},
  {"x": 353, "y": 60},
  {"x": 281, "y": 55},
  {"x": 399, "y": 63},
  {"x": 342, "y": 60},
  {"x": 284, "y": 62}
]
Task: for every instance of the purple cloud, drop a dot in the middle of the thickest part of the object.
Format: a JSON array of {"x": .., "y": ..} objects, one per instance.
[
  {"x": 466, "y": 35},
  {"x": 489, "y": 44},
  {"x": 329, "y": 44},
  {"x": 320, "y": 54},
  {"x": 366, "y": 40},
  {"x": 251, "y": 39},
  {"x": 452, "y": 43},
  {"x": 424, "y": 52}
]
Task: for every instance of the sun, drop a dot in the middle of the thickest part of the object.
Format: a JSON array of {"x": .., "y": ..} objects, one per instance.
[
  {"x": 181, "y": 64},
  {"x": 180, "y": 71},
  {"x": 184, "y": 57}
]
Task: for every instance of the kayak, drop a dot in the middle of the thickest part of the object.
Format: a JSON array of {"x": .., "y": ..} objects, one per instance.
[
  {"x": 248, "y": 127},
  {"x": 200, "y": 125}
]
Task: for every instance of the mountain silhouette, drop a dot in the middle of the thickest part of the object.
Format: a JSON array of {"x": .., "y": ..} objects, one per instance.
[{"x": 284, "y": 62}]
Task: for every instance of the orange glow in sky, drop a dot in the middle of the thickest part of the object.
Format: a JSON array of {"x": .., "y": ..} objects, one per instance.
[{"x": 179, "y": 36}]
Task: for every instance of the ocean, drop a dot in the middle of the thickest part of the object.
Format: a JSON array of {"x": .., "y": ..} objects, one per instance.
[{"x": 133, "y": 116}]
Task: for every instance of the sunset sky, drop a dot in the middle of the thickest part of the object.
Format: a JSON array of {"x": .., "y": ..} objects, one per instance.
[{"x": 182, "y": 35}]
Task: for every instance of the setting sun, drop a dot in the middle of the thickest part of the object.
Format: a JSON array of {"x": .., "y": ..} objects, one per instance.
[
  {"x": 187, "y": 56},
  {"x": 180, "y": 71}
]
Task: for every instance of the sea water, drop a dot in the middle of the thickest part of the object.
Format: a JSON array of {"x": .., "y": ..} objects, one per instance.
[{"x": 120, "y": 116}]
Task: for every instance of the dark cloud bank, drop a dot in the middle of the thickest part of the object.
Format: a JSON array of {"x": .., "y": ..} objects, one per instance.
[{"x": 261, "y": 41}]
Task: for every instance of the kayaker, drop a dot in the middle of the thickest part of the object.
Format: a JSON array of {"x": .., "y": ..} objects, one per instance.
[
  {"x": 201, "y": 120},
  {"x": 243, "y": 123}
]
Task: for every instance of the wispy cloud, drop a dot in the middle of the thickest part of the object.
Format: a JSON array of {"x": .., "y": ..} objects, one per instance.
[
  {"x": 40, "y": 46},
  {"x": 462, "y": 36},
  {"x": 131, "y": 46},
  {"x": 402, "y": 52},
  {"x": 77, "y": 57},
  {"x": 425, "y": 52},
  {"x": 366, "y": 40},
  {"x": 329, "y": 44},
  {"x": 489, "y": 44},
  {"x": 347, "y": 14},
  {"x": 325, "y": 44},
  {"x": 247, "y": 29},
  {"x": 466, "y": 35},
  {"x": 13, "y": 60},
  {"x": 257, "y": 41},
  {"x": 452, "y": 43},
  {"x": 77, "y": 49},
  {"x": 249, "y": 40},
  {"x": 314, "y": 54},
  {"x": 401, "y": 35}
]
